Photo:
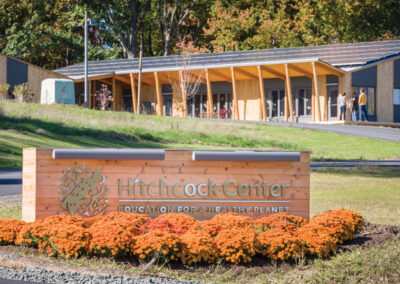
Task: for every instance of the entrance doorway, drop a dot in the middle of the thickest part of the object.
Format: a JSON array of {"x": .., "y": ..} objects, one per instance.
[
  {"x": 278, "y": 103},
  {"x": 167, "y": 105},
  {"x": 332, "y": 102}
]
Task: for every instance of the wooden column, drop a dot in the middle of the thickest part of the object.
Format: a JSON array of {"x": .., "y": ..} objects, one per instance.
[
  {"x": 183, "y": 93},
  {"x": 289, "y": 91},
  {"x": 210, "y": 103},
  {"x": 317, "y": 104},
  {"x": 234, "y": 95},
  {"x": 159, "y": 97},
  {"x": 134, "y": 96},
  {"x": 325, "y": 94},
  {"x": 286, "y": 108},
  {"x": 263, "y": 114},
  {"x": 114, "y": 93},
  {"x": 313, "y": 104}
]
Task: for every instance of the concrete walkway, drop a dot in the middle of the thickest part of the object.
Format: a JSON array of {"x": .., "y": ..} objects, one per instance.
[{"x": 375, "y": 132}]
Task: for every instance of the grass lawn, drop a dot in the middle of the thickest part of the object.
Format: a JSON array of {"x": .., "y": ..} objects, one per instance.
[
  {"x": 33, "y": 125},
  {"x": 375, "y": 193}
]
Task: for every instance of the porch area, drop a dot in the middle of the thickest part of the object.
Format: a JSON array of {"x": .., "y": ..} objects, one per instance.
[{"x": 300, "y": 91}]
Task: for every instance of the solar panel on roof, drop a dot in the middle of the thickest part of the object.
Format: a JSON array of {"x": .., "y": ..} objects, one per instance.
[{"x": 339, "y": 55}]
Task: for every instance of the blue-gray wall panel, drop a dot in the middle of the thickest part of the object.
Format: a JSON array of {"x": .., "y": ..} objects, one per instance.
[
  {"x": 364, "y": 78},
  {"x": 17, "y": 72},
  {"x": 296, "y": 82},
  {"x": 397, "y": 74},
  {"x": 332, "y": 79}
]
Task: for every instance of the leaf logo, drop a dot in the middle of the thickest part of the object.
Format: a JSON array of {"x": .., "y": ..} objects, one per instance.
[{"x": 83, "y": 191}]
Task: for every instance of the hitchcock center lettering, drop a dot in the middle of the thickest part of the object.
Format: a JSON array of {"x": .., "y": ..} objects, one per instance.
[
  {"x": 91, "y": 182},
  {"x": 230, "y": 188}
]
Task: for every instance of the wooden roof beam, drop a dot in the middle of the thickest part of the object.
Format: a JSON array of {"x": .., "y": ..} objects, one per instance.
[
  {"x": 246, "y": 73},
  {"x": 148, "y": 81},
  {"x": 273, "y": 72},
  {"x": 164, "y": 77},
  {"x": 193, "y": 77},
  {"x": 221, "y": 75},
  {"x": 300, "y": 70},
  {"x": 123, "y": 79},
  {"x": 329, "y": 68},
  {"x": 105, "y": 81}
]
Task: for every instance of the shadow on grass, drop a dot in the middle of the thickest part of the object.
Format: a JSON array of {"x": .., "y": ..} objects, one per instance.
[
  {"x": 37, "y": 133},
  {"x": 372, "y": 172},
  {"x": 84, "y": 137}
]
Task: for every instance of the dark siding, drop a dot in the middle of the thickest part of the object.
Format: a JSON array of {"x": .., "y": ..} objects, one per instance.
[
  {"x": 397, "y": 74},
  {"x": 296, "y": 82},
  {"x": 79, "y": 93},
  {"x": 364, "y": 78},
  {"x": 216, "y": 87},
  {"x": 332, "y": 79},
  {"x": 166, "y": 89},
  {"x": 17, "y": 72}
]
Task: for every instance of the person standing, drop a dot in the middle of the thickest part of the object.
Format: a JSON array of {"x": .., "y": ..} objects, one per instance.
[
  {"x": 342, "y": 105},
  {"x": 354, "y": 106},
  {"x": 362, "y": 105}
]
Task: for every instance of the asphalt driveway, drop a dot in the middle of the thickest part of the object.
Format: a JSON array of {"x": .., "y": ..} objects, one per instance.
[{"x": 375, "y": 132}]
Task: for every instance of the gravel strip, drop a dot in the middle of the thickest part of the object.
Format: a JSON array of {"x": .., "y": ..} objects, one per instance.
[
  {"x": 39, "y": 275},
  {"x": 11, "y": 200}
]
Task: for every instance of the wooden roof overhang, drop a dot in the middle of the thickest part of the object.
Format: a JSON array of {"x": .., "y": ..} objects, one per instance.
[{"x": 223, "y": 73}]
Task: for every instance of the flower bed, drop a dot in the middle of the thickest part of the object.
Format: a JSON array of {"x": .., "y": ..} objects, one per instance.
[{"x": 179, "y": 237}]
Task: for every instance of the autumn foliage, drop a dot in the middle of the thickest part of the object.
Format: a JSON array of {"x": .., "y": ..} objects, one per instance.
[{"x": 178, "y": 237}]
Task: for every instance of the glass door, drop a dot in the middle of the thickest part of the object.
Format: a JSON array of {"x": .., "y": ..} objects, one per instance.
[
  {"x": 278, "y": 103},
  {"x": 332, "y": 102},
  {"x": 167, "y": 105}
]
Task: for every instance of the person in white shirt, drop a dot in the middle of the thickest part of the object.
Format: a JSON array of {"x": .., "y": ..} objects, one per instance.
[{"x": 342, "y": 105}]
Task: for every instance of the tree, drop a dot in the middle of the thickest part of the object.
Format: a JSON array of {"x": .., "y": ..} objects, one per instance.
[
  {"x": 174, "y": 13},
  {"x": 282, "y": 23},
  {"x": 126, "y": 19},
  {"x": 49, "y": 33}
]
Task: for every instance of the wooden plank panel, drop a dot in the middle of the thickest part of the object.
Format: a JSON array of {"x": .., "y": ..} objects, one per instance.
[
  {"x": 3, "y": 68},
  {"x": 183, "y": 93},
  {"x": 384, "y": 92},
  {"x": 316, "y": 92},
  {"x": 35, "y": 77},
  {"x": 29, "y": 193},
  {"x": 178, "y": 167},
  {"x": 177, "y": 181}
]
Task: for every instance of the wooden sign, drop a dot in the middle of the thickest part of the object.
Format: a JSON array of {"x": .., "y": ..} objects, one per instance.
[{"x": 90, "y": 182}]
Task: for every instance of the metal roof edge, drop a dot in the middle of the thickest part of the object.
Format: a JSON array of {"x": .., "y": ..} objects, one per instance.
[
  {"x": 179, "y": 68},
  {"x": 367, "y": 64}
]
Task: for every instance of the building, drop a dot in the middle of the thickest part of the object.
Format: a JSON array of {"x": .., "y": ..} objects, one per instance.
[
  {"x": 14, "y": 71},
  {"x": 295, "y": 84}
]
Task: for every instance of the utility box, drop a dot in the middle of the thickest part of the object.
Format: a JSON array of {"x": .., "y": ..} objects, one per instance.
[{"x": 57, "y": 91}]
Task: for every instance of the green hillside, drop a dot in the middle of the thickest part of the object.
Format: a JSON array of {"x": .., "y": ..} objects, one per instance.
[{"x": 33, "y": 125}]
